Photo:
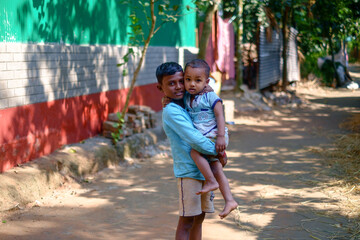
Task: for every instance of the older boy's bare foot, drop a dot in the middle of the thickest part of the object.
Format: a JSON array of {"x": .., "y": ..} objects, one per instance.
[
  {"x": 208, "y": 186},
  {"x": 229, "y": 207}
]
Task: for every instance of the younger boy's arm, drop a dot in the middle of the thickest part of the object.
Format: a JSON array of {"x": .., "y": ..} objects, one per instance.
[
  {"x": 220, "y": 122},
  {"x": 176, "y": 120}
]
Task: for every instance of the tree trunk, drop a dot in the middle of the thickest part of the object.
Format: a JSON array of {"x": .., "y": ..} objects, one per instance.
[
  {"x": 333, "y": 60},
  {"x": 206, "y": 31},
  {"x": 285, "y": 45},
  {"x": 143, "y": 54},
  {"x": 238, "y": 65}
]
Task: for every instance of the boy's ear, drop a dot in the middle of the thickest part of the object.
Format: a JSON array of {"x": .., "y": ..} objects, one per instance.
[
  {"x": 159, "y": 87},
  {"x": 207, "y": 81}
]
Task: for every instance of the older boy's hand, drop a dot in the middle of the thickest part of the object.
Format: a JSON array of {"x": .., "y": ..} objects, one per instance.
[
  {"x": 223, "y": 158},
  {"x": 206, "y": 90}
]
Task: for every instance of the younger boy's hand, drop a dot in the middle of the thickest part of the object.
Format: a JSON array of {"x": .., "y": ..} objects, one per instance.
[
  {"x": 165, "y": 101},
  {"x": 220, "y": 144}
]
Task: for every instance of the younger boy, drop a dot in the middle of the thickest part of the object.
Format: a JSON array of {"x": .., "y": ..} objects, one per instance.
[
  {"x": 206, "y": 111},
  {"x": 183, "y": 137}
]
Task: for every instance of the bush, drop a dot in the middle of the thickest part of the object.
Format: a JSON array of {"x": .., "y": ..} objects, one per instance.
[{"x": 310, "y": 65}]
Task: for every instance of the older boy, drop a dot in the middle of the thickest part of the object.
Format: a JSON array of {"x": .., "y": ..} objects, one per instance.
[{"x": 183, "y": 137}]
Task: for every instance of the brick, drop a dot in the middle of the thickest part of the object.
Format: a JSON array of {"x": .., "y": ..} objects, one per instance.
[
  {"x": 14, "y": 47},
  {"x": 19, "y": 57},
  {"x": 107, "y": 134},
  {"x": 15, "y": 83},
  {"x": 131, "y": 117},
  {"x": 113, "y": 117},
  {"x": 6, "y": 75},
  {"x": 20, "y": 92},
  {"x": 2, "y": 47},
  {"x": 2, "y": 66},
  {"x": 16, "y": 101},
  {"x": 6, "y": 57},
  {"x": 3, "y": 84},
  {"x": 7, "y": 93},
  {"x": 110, "y": 126},
  {"x": 4, "y": 103}
]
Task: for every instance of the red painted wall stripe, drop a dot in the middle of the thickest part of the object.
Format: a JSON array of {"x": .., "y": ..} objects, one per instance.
[{"x": 31, "y": 131}]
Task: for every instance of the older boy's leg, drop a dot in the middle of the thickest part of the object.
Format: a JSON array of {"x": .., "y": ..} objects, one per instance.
[
  {"x": 196, "y": 230},
  {"x": 183, "y": 228},
  {"x": 230, "y": 203},
  {"x": 204, "y": 167},
  {"x": 192, "y": 208}
]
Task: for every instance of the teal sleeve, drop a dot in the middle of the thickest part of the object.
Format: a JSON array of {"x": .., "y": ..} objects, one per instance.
[
  {"x": 182, "y": 125},
  {"x": 213, "y": 98}
]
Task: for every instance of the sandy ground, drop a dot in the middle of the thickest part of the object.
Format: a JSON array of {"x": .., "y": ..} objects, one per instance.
[{"x": 283, "y": 188}]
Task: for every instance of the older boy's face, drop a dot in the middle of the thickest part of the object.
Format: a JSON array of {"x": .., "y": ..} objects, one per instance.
[{"x": 173, "y": 86}]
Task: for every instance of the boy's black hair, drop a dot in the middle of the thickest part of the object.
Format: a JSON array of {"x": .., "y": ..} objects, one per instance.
[
  {"x": 199, "y": 63},
  {"x": 166, "y": 69}
]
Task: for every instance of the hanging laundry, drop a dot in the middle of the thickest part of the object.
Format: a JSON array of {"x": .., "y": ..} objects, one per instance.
[{"x": 220, "y": 51}]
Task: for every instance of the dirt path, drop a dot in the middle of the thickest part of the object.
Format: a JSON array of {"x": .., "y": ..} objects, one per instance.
[{"x": 281, "y": 186}]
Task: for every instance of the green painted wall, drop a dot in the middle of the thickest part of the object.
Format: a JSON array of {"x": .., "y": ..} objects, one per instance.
[{"x": 84, "y": 22}]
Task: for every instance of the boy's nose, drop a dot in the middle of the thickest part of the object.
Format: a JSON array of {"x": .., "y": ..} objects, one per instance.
[{"x": 178, "y": 85}]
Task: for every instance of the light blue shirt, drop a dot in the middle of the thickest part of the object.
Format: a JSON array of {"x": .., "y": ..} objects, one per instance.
[
  {"x": 183, "y": 137},
  {"x": 201, "y": 111}
]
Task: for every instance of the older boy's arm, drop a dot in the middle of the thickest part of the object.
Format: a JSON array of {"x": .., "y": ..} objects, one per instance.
[{"x": 190, "y": 134}]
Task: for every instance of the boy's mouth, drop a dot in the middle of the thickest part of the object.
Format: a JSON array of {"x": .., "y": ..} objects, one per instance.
[{"x": 179, "y": 94}]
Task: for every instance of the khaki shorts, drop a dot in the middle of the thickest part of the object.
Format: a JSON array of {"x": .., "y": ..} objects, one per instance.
[{"x": 191, "y": 204}]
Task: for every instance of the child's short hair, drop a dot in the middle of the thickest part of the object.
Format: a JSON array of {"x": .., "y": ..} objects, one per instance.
[
  {"x": 199, "y": 63},
  {"x": 166, "y": 69}
]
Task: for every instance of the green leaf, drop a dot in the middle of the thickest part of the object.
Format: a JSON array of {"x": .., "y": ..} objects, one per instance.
[
  {"x": 119, "y": 115},
  {"x": 72, "y": 150},
  {"x": 3, "y": 221},
  {"x": 124, "y": 72}
]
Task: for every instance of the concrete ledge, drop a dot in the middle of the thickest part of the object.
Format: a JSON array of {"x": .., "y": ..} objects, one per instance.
[{"x": 27, "y": 183}]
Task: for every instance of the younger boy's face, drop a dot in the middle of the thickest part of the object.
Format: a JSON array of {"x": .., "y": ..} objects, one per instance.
[
  {"x": 195, "y": 80},
  {"x": 173, "y": 86}
]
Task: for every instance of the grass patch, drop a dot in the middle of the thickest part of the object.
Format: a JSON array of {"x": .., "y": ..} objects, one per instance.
[{"x": 344, "y": 158}]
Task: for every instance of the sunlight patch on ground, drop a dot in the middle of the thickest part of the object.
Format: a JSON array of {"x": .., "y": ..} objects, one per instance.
[
  {"x": 233, "y": 169},
  {"x": 290, "y": 137},
  {"x": 140, "y": 189},
  {"x": 255, "y": 122},
  {"x": 233, "y": 154}
]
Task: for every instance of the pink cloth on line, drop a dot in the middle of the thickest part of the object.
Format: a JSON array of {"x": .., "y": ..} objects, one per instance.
[
  {"x": 225, "y": 47},
  {"x": 221, "y": 56}
]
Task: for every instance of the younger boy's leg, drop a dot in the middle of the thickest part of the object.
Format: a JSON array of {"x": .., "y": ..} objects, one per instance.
[
  {"x": 230, "y": 203},
  {"x": 204, "y": 167}
]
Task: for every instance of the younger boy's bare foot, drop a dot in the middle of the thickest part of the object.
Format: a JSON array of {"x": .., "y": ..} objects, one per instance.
[
  {"x": 208, "y": 186},
  {"x": 229, "y": 207}
]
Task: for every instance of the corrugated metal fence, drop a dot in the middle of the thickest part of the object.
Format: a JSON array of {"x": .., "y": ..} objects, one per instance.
[{"x": 270, "y": 60}]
